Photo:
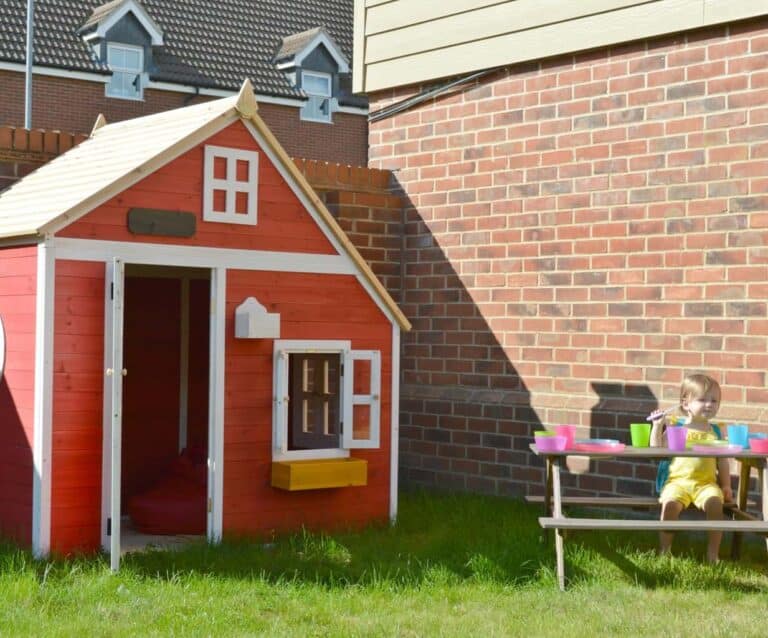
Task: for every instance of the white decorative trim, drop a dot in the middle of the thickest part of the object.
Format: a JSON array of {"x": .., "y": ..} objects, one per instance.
[
  {"x": 252, "y": 321},
  {"x": 394, "y": 436},
  {"x": 330, "y": 45},
  {"x": 203, "y": 257},
  {"x": 43, "y": 399},
  {"x": 216, "y": 405},
  {"x": 152, "y": 29},
  {"x": 230, "y": 185}
]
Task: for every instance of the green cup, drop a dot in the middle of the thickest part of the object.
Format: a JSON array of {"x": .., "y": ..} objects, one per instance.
[{"x": 641, "y": 434}]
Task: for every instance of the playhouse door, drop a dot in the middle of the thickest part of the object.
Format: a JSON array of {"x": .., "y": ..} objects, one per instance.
[{"x": 114, "y": 376}]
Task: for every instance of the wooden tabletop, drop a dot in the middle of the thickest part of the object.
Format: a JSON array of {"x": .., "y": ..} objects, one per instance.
[{"x": 653, "y": 453}]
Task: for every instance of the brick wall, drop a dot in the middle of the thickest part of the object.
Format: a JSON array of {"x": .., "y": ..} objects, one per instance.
[
  {"x": 73, "y": 105},
  {"x": 581, "y": 232}
]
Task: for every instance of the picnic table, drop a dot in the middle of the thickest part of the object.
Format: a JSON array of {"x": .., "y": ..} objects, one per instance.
[{"x": 553, "y": 499}]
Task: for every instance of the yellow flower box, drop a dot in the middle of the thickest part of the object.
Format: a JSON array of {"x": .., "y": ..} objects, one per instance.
[{"x": 320, "y": 474}]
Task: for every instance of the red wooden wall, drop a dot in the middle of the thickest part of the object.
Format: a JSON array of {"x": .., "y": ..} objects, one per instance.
[
  {"x": 18, "y": 282},
  {"x": 311, "y": 307},
  {"x": 78, "y": 377}
]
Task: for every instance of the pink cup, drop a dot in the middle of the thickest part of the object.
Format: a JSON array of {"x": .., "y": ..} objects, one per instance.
[
  {"x": 569, "y": 432},
  {"x": 676, "y": 437}
]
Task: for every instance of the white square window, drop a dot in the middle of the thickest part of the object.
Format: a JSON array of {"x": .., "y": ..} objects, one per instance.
[
  {"x": 230, "y": 185},
  {"x": 127, "y": 65},
  {"x": 327, "y": 399},
  {"x": 317, "y": 86}
]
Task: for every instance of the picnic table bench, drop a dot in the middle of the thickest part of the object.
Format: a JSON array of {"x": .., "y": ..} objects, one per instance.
[{"x": 741, "y": 520}]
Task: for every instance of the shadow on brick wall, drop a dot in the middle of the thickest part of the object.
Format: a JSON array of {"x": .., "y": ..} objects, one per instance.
[{"x": 466, "y": 420}]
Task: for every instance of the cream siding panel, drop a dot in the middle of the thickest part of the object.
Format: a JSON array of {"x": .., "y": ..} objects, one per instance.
[
  {"x": 448, "y": 45},
  {"x": 388, "y": 15},
  {"x": 727, "y": 10},
  {"x": 85, "y": 174},
  {"x": 516, "y": 14},
  {"x": 489, "y": 22}
]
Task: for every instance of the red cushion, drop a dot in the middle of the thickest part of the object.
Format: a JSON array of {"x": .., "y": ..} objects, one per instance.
[{"x": 176, "y": 504}]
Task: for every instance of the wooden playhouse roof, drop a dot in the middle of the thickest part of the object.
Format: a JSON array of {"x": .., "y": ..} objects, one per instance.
[{"x": 118, "y": 155}]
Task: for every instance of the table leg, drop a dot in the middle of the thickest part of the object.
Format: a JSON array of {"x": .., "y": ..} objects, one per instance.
[
  {"x": 558, "y": 513},
  {"x": 741, "y": 500},
  {"x": 764, "y": 492},
  {"x": 547, "y": 494}
]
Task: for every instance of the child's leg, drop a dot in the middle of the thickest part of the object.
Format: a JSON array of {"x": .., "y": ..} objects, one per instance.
[
  {"x": 713, "y": 508},
  {"x": 670, "y": 511}
]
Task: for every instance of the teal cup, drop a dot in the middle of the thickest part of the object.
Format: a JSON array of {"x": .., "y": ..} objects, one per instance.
[{"x": 738, "y": 434}]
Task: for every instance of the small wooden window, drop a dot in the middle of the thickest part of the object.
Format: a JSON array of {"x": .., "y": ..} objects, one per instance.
[
  {"x": 230, "y": 185},
  {"x": 327, "y": 399}
]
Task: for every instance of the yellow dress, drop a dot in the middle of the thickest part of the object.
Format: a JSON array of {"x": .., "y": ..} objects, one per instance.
[{"x": 692, "y": 479}]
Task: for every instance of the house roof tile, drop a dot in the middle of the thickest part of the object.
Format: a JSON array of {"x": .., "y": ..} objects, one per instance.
[{"x": 206, "y": 44}]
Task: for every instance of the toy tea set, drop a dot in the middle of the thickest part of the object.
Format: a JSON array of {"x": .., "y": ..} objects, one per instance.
[{"x": 563, "y": 437}]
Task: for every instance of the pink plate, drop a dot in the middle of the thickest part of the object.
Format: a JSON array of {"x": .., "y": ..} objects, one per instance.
[
  {"x": 599, "y": 447},
  {"x": 716, "y": 449}
]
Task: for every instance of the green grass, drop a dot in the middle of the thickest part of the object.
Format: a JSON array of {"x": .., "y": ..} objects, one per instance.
[{"x": 453, "y": 566}]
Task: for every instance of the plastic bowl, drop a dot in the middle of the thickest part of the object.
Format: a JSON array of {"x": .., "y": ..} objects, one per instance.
[
  {"x": 758, "y": 435},
  {"x": 758, "y": 445},
  {"x": 551, "y": 443}
]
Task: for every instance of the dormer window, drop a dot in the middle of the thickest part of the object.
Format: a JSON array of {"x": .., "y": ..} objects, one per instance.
[
  {"x": 318, "y": 87},
  {"x": 313, "y": 63},
  {"x": 122, "y": 36},
  {"x": 127, "y": 65}
]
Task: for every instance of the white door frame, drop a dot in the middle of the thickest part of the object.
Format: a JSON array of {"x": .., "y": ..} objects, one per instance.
[
  {"x": 112, "y": 449},
  {"x": 114, "y": 378}
]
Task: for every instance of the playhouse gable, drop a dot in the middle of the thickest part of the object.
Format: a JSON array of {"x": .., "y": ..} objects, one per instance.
[{"x": 228, "y": 191}]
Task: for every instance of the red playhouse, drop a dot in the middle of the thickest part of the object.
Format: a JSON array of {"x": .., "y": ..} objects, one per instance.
[{"x": 189, "y": 343}]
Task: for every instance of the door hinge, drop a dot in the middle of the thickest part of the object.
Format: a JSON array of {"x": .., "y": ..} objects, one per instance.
[
  {"x": 210, "y": 505},
  {"x": 109, "y": 526},
  {"x": 112, "y": 290}
]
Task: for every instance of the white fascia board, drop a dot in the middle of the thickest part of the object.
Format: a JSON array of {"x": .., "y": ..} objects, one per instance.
[
  {"x": 330, "y": 45},
  {"x": 154, "y": 31},
  {"x": 157, "y": 86},
  {"x": 352, "y": 110},
  {"x": 57, "y": 73},
  {"x": 203, "y": 257}
]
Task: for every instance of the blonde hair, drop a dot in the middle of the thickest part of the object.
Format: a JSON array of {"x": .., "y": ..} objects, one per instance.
[{"x": 697, "y": 385}]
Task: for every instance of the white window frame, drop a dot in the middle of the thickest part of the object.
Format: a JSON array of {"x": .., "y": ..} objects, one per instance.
[
  {"x": 139, "y": 96},
  {"x": 230, "y": 185},
  {"x": 314, "y": 98},
  {"x": 283, "y": 348}
]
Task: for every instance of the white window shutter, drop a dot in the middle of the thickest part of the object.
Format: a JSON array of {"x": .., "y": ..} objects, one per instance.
[
  {"x": 280, "y": 411},
  {"x": 365, "y": 433}
]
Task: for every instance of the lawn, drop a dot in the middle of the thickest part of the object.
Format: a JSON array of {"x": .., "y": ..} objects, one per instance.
[{"x": 454, "y": 565}]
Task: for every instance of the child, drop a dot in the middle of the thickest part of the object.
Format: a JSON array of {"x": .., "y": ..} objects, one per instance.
[{"x": 694, "y": 480}]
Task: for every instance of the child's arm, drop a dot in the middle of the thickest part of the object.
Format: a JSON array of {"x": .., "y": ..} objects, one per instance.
[
  {"x": 724, "y": 478},
  {"x": 658, "y": 435}
]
